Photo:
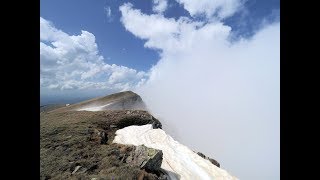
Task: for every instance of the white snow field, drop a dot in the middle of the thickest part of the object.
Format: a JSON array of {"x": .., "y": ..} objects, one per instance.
[{"x": 178, "y": 160}]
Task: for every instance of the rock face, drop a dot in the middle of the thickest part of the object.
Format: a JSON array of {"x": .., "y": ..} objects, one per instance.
[
  {"x": 210, "y": 159},
  {"x": 147, "y": 158}
]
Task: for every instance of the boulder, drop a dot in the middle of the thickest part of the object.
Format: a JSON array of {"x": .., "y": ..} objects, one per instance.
[
  {"x": 104, "y": 138},
  {"x": 76, "y": 169},
  {"x": 146, "y": 158},
  {"x": 98, "y": 136},
  {"x": 156, "y": 125},
  {"x": 216, "y": 163}
]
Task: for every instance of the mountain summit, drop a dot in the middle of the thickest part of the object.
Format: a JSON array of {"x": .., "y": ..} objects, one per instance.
[
  {"x": 118, "y": 101},
  {"x": 114, "y": 137}
]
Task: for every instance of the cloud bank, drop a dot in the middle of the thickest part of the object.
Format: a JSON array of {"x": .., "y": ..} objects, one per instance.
[
  {"x": 72, "y": 62},
  {"x": 216, "y": 96}
]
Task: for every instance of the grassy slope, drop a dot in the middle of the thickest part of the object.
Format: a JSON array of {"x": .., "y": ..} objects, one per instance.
[
  {"x": 51, "y": 107},
  {"x": 69, "y": 139},
  {"x": 100, "y": 101}
]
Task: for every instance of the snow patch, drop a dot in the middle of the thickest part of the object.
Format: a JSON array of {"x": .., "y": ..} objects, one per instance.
[
  {"x": 94, "y": 108},
  {"x": 178, "y": 160}
]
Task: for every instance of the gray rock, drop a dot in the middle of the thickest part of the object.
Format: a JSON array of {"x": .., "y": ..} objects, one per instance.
[
  {"x": 104, "y": 138},
  {"x": 147, "y": 158},
  {"x": 76, "y": 169},
  {"x": 216, "y": 163},
  {"x": 113, "y": 126},
  {"x": 156, "y": 125}
]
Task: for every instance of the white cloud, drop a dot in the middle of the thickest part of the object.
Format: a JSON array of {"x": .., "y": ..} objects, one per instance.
[
  {"x": 155, "y": 27},
  {"x": 48, "y": 32},
  {"x": 73, "y": 62},
  {"x": 123, "y": 74},
  {"x": 108, "y": 12},
  {"x": 160, "y": 32},
  {"x": 159, "y": 6},
  {"x": 225, "y": 93},
  {"x": 210, "y": 8}
]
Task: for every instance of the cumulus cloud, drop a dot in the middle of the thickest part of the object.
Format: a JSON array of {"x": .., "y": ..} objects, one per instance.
[
  {"x": 159, "y": 6},
  {"x": 73, "y": 62},
  {"x": 216, "y": 96},
  {"x": 166, "y": 33},
  {"x": 211, "y": 8},
  {"x": 155, "y": 28}
]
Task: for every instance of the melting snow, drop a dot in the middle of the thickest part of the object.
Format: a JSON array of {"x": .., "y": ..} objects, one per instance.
[
  {"x": 94, "y": 108},
  {"x": 177, "y": 158}
]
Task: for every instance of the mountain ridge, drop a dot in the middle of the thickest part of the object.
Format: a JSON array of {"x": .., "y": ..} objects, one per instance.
[{"x": 77, "y": 140}]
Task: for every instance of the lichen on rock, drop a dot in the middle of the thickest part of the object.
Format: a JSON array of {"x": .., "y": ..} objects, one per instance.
[{"x": 147, "y": 158}]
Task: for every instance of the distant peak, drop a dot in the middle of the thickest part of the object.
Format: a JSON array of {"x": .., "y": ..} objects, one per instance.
[
  {"x": 117, "y": 101},
  {"x": 123, "y": 93}
]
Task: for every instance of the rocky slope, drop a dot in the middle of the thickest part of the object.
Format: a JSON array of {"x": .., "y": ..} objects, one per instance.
[{"x": 79, "y": 141}]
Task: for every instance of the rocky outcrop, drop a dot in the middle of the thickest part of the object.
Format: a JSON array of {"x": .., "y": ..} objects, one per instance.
[
  {"x": 146, "y": 158},
  {"x": 98, "y": 136},
  {"x": 210, "y": 159}
]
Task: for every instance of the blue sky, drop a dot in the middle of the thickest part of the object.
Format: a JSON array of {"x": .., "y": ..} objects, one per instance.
[
  {"x": 205, "y": 66},
  {"x": 119, "y": 46}
]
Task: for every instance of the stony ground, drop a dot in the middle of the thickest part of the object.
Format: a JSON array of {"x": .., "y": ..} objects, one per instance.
[{"x": 78, "y": 145}]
